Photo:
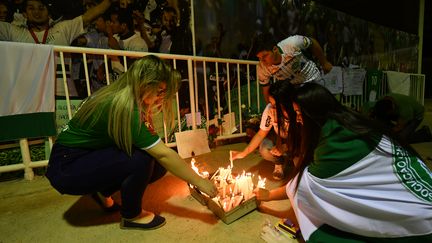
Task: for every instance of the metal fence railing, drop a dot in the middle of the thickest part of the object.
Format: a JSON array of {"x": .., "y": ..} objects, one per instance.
[{"x": 218, "y": 89}]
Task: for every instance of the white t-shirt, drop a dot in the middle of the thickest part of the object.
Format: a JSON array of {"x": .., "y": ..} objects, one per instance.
[
  {"x": 268, "y": 120},
  {"x": 133, "y": 43},
  {"x": 62, "y": 33},
  {"x": 294, "y": 65}
]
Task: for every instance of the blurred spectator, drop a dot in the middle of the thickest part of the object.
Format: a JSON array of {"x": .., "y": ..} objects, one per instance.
[
  {"x": 5, "y": 11},
  {"x": 39, "y": 30},
  {"x": 164, "y": 37},
  {"x": 101, "y": 37},
  {"x": 143, "y": 26},
  {"x": 403, "y": 114},
  {"x": 123, "y": 25},
  {"x": 17, "y": 10}
]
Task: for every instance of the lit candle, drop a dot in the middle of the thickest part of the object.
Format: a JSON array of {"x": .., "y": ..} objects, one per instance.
[
  {"x": 235, "y": 187},
  {"x": 227, "y": 204},
  {"x": 215, "y": 174},
  {"x": 261, "y": 182},
  {"x": 237, "y": 200},
  {"x": 231, "y": 159},
  {"x": 249, "y": 185},
  {"x": 223, "y": 186}
]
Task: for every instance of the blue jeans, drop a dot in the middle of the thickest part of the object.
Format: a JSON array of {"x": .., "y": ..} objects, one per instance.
[
  {"x": 78, "y": 171},
  {"x": 264, "y": 149}
]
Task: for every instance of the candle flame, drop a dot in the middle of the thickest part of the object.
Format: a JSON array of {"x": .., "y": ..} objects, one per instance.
[{"x": 240, "y": 188}]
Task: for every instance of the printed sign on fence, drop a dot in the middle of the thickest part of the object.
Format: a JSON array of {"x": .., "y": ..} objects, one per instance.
[{"x": 61, "y": 112}]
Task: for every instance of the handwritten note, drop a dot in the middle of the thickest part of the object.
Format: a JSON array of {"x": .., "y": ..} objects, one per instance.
[{"x": 353, "y": 80}]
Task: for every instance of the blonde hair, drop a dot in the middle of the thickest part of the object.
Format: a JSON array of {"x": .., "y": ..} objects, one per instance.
[{"x": 140, "y": 81}]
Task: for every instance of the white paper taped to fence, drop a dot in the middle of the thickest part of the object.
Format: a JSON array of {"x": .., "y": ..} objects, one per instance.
[
  {"x": 398, "y": 82},
  {"x": 333, "y": 80},
  {"x": 192, "y": 143},
  {"x": 228, "y": 123},
  {"x": 189, "y": 119},
  {"x": 353, "y": 81}
]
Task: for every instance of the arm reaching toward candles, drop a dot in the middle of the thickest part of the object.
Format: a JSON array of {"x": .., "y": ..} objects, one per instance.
[
  {"x": 254, "y": 143},
  {"x": 270, "y": 195},
  {"x": 169, "y": 159}
]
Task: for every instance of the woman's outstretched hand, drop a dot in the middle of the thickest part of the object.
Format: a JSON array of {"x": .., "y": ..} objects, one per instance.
[
  {"x": 237, "y": 155},
  {"x": 262, "y": 194},
  {"x": 207, "y": 187}
]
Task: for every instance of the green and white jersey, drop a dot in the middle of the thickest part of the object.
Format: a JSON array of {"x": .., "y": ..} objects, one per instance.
[
  {"x": 368, "y": 193},
  {"x": 269, "y": 121},
  {"x": 294, "y": 65},
  {"x": 96, "y": 137}
]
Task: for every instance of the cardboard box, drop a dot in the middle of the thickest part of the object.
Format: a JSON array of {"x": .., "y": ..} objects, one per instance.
[{"x": 227, "y": 217}]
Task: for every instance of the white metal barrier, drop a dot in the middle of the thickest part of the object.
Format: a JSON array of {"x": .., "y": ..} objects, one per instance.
[
  {"x": 226, "y": 76},
  {"x": 417, "y": 90}
]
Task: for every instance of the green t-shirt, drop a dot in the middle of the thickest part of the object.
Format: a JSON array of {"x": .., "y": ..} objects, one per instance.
[
  {"x": 96, "y": 137},
  {"x": 408, "y": 107}
]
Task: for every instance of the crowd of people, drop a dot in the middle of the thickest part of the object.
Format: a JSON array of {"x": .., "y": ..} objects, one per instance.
[
  {"x": 148, "y": 26},
  {"x": 349, "y": 176}
]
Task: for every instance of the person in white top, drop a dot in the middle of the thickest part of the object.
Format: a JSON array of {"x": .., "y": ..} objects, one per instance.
[
  {"x": 38, "y": 29},
  {"x": 122, "y": 24},
  {"x": 285, "y": 60},
  {"x": 266, "y": 140}
]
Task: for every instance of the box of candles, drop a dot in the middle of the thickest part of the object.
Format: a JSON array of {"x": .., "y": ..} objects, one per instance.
[{"x": 235, "y": 197}]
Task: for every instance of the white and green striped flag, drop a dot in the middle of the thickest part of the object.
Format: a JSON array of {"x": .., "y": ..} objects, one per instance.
[
  {"x": 27, "y": 84},
  {"x": 387, "y": 194}
]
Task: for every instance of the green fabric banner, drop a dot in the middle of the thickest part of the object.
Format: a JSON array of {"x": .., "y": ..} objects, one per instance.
[{"x": 29, "y": 125}]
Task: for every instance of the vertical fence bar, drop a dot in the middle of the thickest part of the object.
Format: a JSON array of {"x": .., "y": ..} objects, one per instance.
[
  {"x": 125, "y": 63},
  {"x": 239, "y": 97},
  {"x": 106, "y": 69},
  {"x": 177, "y": 100},
  {"x": 258, "y": 93},
  {"x": 66, "y": 89},
  {"x": 191, "y": 92},
  {"x": 229, "y": 97},
  {"x": 217, "y": 89},
  {"x": 248, "y": 87},
  {"x": 206, "y": 93},
  {"x": 25, "y": 153},
  {"x": 196, "y": 87},
  {"x": 86, "y": 74}
]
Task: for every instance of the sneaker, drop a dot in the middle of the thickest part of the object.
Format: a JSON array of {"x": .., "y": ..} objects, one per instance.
[{"x": 278, "y": 173}]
